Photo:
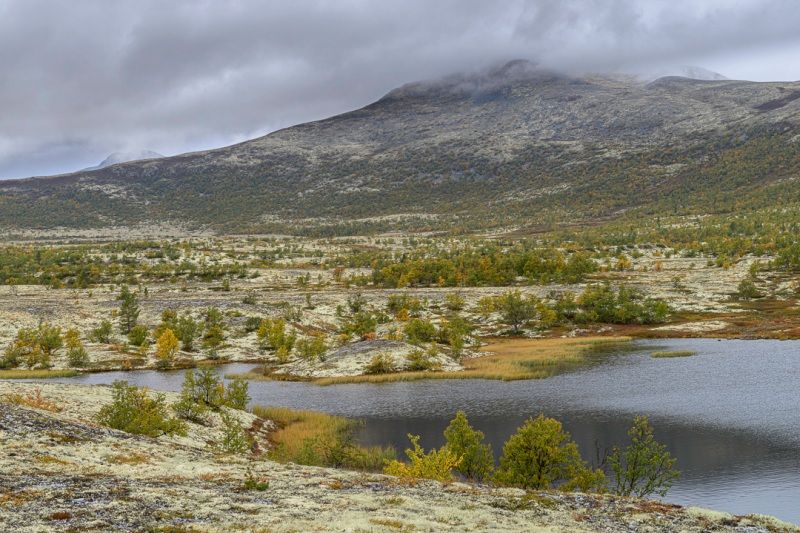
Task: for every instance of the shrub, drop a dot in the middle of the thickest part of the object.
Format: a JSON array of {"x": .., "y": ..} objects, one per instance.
[
  {"x": 204, "y": 389},
  {"x": 252, "y": 482},
  {"x": 128, "y": 310},
  {"x": 251, "y": 324},
  {"x": 102, "y": 333},
  {"x": 516, "y": 309},
  {"x": 187, "y": 407},
  {"x": 540, "y": 455},
  {"x": 453, "y": 331},
  {"x": 356, "y": 303},
  {"x": 272, "y": 334},
  {"x": 187, "y": 329},
  {"x": 77, "y": 356},
  {"x": 403, "y": 304},
  {"x": 49, "y": 338},
  {"x": 381, "y": 364},
  {"x": 747, "y": 289},
  {"x": 436, "y": 464},
  {"x": 454, "y": 301},
  {"x": 311, "y": 349},
  {"x": 132, "y": 410},
  {"x": 477, "y": 461},
  {"x": 420, "y": 360},
  {"x": 623, "y": 305},
  {"x": 362, "y": 324},
  {"x": 33, "y": 347},
  {"x": 235, "y": 439},
  {"x": 419, "y": 330},
  {"x": 137, "y": 336},
  {"x": 213, "y": 337},
  {"x": 236, "y": 394},
  {"x": 645, "y": 466},
  {"x": 166, "y": 348}
]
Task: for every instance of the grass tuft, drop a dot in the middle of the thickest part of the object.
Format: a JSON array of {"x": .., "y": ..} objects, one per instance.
[{"x": 673, "y": 353}]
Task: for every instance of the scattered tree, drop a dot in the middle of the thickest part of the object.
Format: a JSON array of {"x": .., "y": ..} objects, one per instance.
[{"x": 644, "y": 466}]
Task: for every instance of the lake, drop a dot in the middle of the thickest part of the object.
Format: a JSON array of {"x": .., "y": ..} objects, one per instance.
[{"x": 731, "y": 414}]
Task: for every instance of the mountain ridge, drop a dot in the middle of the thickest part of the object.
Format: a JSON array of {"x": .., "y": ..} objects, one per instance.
[{"x": 541, "y": 144}]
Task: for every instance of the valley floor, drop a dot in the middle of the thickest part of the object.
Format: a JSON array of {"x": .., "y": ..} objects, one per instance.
[{"x": 60, "y": 471}]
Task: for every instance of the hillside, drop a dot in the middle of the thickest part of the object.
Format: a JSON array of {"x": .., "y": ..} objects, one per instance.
[{"x": 514, "y": 145}]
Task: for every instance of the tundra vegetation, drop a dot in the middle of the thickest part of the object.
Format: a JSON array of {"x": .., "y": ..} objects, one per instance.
[{"x": 300, "y": 307}]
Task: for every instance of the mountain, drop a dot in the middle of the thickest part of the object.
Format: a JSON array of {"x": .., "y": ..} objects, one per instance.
[
  {"x": 514, "y": 145},
  {"x": 124, "y": 157}
]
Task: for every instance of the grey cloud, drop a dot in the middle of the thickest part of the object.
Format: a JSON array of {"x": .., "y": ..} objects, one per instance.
[{"x": 83, "y": 79}]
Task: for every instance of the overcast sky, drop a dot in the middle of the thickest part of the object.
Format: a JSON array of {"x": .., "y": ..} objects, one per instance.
[{"x": 83, "y": 78}]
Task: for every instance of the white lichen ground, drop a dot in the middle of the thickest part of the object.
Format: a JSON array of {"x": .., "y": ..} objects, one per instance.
[{"x": 62, "y": 472}]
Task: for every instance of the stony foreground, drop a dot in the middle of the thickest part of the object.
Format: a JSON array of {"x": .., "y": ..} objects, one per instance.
[{"x": 61, "y": 472}]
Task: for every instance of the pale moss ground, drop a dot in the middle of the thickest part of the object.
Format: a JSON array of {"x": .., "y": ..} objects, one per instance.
[{"x": 59, "y": 471}]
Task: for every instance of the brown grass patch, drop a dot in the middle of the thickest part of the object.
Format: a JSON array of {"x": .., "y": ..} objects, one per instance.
[
  {"x": 296, "y": 427},
  {"x": 33, "y": 399}
]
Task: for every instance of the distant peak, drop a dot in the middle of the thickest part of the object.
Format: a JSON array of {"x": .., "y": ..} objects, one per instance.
[{"x": 125, "y": 157}]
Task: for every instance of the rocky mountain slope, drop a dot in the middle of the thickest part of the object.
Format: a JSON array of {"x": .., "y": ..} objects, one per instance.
[
  {"x": 512, "y": 145},
  {"x": 60, "y": 471}
]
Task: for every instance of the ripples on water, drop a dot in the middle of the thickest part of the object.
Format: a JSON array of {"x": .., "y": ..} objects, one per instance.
[{"x": 729, "y": 414}]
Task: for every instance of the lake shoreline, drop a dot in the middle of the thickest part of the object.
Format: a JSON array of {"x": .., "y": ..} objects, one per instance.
[{"x": 157, "y": 482}]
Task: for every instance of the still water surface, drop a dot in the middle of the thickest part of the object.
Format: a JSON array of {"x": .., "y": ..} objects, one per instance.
[{"x": 731, "y": 414}]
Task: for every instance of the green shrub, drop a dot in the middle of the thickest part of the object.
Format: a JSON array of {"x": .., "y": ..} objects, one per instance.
[
  {"x": 187, "y": 329},
  {"x": 403, "y": 302},
  {"x": 311, "y": 349},
  {"x": 356, "y": 303},
  {"x": 272, "y": 334},
  {"x": 132, "y": 410},
  {"x": 747, "y": 289},
  {"x": 361, "y": 324},
  {"x": 203, "y": 390},
  {"x": 235, "y": 439},
  {"x": 644, "y": 466},
  {"x": 623, "y": 305},
  {"x": 419, "y": 330},
  {"x": 137, "y": 336},
  {"x": 381, "y": 364},
  {"x": 516, "y": 309},
  {"x": 477, "y": 461},
  {"x": 420, "y": 360},
  {"x": 251, "y": 324},
  {"x": 102, "y": 333},
  {"x": 251, "y": 482},
  {"x": 540, "y": 455},
  {"x": 454, "y": 301},
  {"x": 236, "y": 394},
  {"x": 128, "y": 310}
]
